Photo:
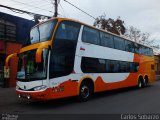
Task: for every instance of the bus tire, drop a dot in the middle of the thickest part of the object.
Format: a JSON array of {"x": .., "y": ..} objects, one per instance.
[
  {"x": 140, "y": 83},
  {"x": 86, "y": 91},
  {"x": 145, "y": 81}
]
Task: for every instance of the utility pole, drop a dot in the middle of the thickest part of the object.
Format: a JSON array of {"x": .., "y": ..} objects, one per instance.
[{"x": 56, "y": 8}]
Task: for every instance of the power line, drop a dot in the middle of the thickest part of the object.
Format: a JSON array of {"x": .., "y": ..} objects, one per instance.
[
  {"x": 40, "y": 5},
  {"x": 62, "y": 9},
  {"x": 23, "y": 11},
  {"x": 31, "y": 5},
  {"x": 48, "y": 4},
  {"x": 80, "y": 10},
  {"x": 36, "y": 2},
  {"x": 35, "y": 10}
]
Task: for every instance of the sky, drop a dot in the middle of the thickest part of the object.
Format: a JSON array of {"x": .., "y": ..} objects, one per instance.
[{"x": 142, "y": 14}]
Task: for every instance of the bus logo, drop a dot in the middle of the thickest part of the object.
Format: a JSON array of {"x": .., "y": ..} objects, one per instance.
[
  {"x": 81, "y": 48},
  {"x": 24, "y": 87}
]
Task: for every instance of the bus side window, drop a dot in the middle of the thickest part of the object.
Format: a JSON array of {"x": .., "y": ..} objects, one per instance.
[
  {"x": 106, "y": 40},
  {"x": 93, "y": 65},
  {"x": 101, "y": 66},
  {"x": 90, "y": 35},
  {"x": 137, "y": 48},
  {"x": 136, "y": 66},
  {"x": 123, "y": 67},
  {"x": 119, "y": 43},
  {"x": 127, "y": 67},
  {"x": 150, "y": 52},
  {"x": 129, "y": 46},
  {"x": 88, "y": 65},
  {"x": 110, "y": 66},
  {"x": 152, "y": 66}
]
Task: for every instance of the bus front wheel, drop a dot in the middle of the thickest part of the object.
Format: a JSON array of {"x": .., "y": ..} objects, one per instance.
[{"x": 85, "y": 92}]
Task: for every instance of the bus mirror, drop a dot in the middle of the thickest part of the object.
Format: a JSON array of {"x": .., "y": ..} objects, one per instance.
[
  {"x": 38, "y": 55},
  {"x": 6, "y": 72},
  {"x": 8, "y": 58}
]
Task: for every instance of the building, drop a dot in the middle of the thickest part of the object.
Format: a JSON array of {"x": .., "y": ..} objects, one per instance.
[
  {"x": 14, "y": 33},
  {"x": 157, "y": 66}
]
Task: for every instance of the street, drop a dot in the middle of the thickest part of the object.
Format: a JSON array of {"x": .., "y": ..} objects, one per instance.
[{"x": 130, "y": 100}]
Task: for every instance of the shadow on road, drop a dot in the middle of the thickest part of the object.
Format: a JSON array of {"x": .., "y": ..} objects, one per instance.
[
  {"x": 118, "y": 91},
  {"x": 72, "y": 100}
]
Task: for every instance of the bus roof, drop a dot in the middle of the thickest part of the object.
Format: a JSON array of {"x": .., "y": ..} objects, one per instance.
[{"x": 69, "y": 19}]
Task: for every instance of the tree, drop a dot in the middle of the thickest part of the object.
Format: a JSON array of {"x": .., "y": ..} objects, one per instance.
[
  {"x": 138, "y": 36},
  {"x": 111, "y": 25},
  {"x": 132, "y": 33}
]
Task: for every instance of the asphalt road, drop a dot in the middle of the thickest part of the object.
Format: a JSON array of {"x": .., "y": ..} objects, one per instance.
[{"x": 122, "y": 101}]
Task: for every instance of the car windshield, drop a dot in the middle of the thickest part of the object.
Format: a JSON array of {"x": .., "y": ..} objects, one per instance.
[
  {"x": 28, "y": 69},
  {"x": 42, "y": 32}
]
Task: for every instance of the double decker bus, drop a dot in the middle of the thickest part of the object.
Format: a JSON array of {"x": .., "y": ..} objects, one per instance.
[{"x": 70, "y": 58}]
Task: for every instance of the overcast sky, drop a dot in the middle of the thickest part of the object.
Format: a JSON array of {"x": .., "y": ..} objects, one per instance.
[{"x": 142, "y": 14}]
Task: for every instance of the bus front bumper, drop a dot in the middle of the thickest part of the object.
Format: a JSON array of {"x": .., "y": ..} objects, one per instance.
[{"x": 34, "y": 95}]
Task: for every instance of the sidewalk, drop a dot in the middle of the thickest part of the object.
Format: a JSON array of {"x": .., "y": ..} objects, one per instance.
[
  {"x": 7, "y": 95},
  {"x": 7, "y": 91},
  {"x": 157, "y": 77}
]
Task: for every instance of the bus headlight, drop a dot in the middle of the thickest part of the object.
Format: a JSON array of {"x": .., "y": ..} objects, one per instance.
[
  {"x": 40, "y": 88},
  {"x": 17, "y": 87}
]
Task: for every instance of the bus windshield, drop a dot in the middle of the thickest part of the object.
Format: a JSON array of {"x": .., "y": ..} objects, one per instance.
[
  {"x": 42, "y": 32},
  {"x": 63, "y": 49},
  {"x": 28, "y": 69}
]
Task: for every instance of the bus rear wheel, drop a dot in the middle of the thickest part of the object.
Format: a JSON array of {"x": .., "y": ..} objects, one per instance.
[
  {"x": 145, "y": 81},
  {"x": 140, "y": 83},
  {"x": 85, "y": 92}
]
